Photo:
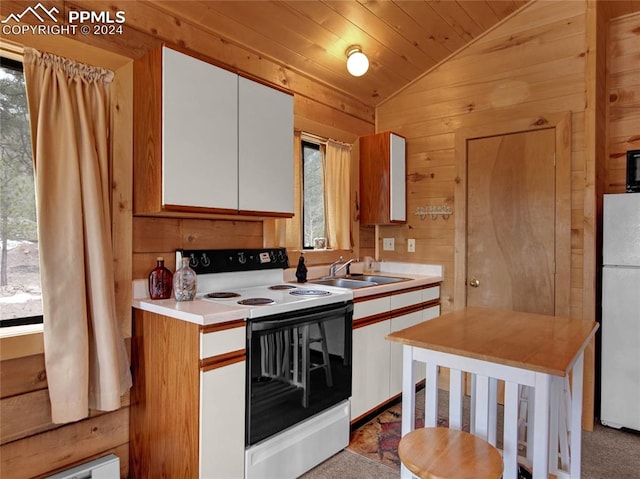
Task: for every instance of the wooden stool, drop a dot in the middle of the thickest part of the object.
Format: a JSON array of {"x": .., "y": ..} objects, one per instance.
[
  {"x": 302, "y": 365},
  {"x": 443, "y": 453}
]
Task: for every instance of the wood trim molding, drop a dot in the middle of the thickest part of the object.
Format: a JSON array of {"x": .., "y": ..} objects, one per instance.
[
  {"x": 362, "y": 299},
  {"x": 378, "y": 318},
  {"x": 414, "y": 308},
  {"x": 369, "y": 320},
  {"x": 371, "y": 297},
  {"x": 222, "y": 360},
  {"x": 214, "y": 328},
  {"x": 21, "y": 345}
]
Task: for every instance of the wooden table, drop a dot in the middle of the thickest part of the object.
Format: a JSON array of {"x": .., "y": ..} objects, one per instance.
[{"x": 521, "y": 349}]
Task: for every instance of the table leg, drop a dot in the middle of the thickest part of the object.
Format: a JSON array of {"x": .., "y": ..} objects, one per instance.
[
  {"x": 541, "y": 426},
  {"x": 431, "y": 396},
  {"x": 408, "y": 400},
  {"x": 576, "y": 417}
]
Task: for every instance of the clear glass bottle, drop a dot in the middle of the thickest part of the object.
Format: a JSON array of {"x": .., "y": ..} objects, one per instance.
[
  {"x": 160, "y": 281},
  {"x": 184, "y": 282}
]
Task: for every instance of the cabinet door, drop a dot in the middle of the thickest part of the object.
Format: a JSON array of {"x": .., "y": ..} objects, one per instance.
[
  {"x": 265, "y": 162},
  {"x": 370, "y": 368},
  {"x": 402, "y": 322},
  {"x": 200, "y": 133},
  {"x": 222, "y": 415},
  {"x": 382, "y": 179},
  {"x": 397, "y": 180}
]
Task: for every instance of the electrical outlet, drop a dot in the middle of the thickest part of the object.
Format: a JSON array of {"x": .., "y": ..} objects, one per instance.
[
  {"x": 411, "y": 245},
  {"x": 388, "y": 244}
]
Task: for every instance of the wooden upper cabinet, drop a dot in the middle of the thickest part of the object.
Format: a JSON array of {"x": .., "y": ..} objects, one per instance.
[
  {"x": 383, "y": 179},
  {"x": 201, "y": 139}
]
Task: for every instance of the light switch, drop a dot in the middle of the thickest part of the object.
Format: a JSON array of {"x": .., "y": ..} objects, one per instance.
[
  {"x": 411, "y": 245},
  {"x": 388, "y": 244}
]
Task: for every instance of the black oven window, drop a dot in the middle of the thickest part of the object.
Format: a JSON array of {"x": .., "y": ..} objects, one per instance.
[{"x": 296, "y": 368}]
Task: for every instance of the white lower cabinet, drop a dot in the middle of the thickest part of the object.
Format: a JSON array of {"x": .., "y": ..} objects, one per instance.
[
  {"x": 402, "y": 322},
  {"x": 222, "y": 417},
  {"x": 377, "y": 363},
  {"x": 370, "y": 367}
]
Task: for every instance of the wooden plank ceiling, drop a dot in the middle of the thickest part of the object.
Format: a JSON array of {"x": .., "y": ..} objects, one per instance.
[{"x": 402, "y": 38}]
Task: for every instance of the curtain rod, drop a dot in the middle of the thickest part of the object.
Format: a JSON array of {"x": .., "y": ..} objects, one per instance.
[{"x": 319, "y": 139}]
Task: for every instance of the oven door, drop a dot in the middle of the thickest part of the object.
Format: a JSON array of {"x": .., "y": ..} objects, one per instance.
[{"x": 298, "y": 364}]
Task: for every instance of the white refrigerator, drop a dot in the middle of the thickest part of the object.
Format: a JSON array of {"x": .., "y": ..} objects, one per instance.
[{"x": 620, "y": 372}]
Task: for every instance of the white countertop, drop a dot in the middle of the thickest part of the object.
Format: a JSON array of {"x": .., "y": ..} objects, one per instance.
[
  {"x": 207, "y": 312},
  {"x": 197, "y": 311}
]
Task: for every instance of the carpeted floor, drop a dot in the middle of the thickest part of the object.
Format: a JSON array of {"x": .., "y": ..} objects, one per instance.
[{"x": 372, "y": 452}]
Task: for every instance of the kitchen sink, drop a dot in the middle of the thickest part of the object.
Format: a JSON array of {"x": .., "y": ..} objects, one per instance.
[
  {"x": 377, "y": 279},
  {"x": 344, "y": 283},
  {"x": 356, "y": 281}
]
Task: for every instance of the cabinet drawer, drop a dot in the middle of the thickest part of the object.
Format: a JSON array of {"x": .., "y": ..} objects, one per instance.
[
  {"x": 371, "y": 307},
  {"x": 403, "y": 300},
  {"x": 221, "y": 342},
  {"x": 429, "y": 294},
  {"x": 430, "y": 313}
]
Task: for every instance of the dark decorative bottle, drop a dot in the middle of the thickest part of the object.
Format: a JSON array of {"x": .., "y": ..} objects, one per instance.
[
  {"x": 301, "y": 270},
  {"x": 160, "y": 281}
]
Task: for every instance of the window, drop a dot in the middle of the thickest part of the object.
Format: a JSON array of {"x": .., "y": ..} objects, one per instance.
[
  {"x": 313, "y": 223},
  {"x": 20, "y": 291}
]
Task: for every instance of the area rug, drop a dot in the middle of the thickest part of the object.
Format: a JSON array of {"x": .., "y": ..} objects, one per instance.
[{"x": 378, "y": 439}]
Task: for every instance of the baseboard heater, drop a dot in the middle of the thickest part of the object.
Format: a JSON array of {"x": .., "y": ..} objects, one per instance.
[{"x": 107, "y": 467}]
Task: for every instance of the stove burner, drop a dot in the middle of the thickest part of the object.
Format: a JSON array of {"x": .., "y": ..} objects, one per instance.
[
  {"x": 256, "y": 301},
  {"x": 282, "y": 286},
  {"x": 222, "y": 295},
  {"x": 310, "y": 292}
]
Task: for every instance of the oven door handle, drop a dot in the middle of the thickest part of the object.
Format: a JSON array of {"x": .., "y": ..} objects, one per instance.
[{"x": 269, "y": 324}]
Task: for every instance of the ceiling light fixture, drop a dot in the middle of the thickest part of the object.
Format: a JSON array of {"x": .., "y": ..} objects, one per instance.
[{"x": 357, "y": 62}]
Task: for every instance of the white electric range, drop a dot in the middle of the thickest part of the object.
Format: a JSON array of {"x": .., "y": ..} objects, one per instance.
[{"x": 298, "y": 357}]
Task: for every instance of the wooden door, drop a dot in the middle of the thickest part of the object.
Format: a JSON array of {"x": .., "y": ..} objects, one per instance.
[{"x": 511, "y": 218}]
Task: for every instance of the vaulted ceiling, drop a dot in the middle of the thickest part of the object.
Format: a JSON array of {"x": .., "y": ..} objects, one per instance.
[{"x": 402, "y": 38}]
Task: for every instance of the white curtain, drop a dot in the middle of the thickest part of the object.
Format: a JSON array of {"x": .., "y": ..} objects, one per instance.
[
  {"x": 337, "y": 193},
  {"x": 85, "y": 355}
]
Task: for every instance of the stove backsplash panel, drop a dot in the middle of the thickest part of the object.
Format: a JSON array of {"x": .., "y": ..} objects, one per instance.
[{"x": 207, "y": 261}]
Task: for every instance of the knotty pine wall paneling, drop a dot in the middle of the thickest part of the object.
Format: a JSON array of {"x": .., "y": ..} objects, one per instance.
[
  {"x": 35, "y": 447},
  {"x": 530, "y": 65},
  {"x": 533, "y": 64},
  {"x": 31, "y": 446},
  {"x": 623, "y": 98}
]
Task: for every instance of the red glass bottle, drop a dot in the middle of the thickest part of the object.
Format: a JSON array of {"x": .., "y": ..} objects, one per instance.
[{"x": 160, "y": 281}]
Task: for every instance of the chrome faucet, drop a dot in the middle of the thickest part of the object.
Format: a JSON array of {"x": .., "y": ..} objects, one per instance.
[{"x": 333, "y": 270}]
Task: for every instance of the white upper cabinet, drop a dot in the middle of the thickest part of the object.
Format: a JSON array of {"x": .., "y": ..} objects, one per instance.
[
  {"x": 208, "y": 140},
  {"x": 265, "y": 148},
  {"x": 199, "y": 133},
  {"x": 398, "y": 179}
]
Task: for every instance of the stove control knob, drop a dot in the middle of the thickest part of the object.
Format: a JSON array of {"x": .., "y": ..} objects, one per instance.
[
  {"x": 204, "y": 259},
  {"x": 242, "y": 259},
  {"x": 272, "y": 256},
  {"x": 281, "y": 257},
  {"x": 193, "y": 261}
]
